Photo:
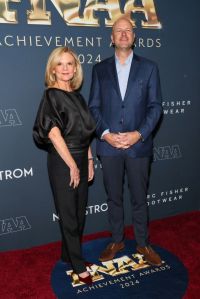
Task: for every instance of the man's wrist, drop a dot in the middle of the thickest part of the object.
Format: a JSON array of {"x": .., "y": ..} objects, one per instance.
[
  {"x": 105, "y": 133},
  {"x": 141, "y": 137}
]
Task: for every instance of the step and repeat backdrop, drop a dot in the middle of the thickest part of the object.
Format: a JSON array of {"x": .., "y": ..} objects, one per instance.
[{"x": 167, "y": 32}]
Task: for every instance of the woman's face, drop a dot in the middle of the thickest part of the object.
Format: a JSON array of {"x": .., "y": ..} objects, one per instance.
[{"x": 65, "y": 69}]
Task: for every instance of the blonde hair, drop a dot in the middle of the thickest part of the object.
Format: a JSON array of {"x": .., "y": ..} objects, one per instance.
[{"x": 53, "y": 60}]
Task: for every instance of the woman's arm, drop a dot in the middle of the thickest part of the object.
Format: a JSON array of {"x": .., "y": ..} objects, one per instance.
[
  {"x": 90, "y": 165},
  {"x": 62, "y": 149}
]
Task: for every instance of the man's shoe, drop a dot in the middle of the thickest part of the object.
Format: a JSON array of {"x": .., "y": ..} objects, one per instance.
[
  {"x": 110, "y": 251},
  {"x": 150, "y": 255}
]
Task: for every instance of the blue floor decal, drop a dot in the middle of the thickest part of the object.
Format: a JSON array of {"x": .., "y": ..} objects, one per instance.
[{"x": 126, "y": 276}]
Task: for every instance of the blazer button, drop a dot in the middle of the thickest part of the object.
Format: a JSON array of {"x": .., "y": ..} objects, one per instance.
[
  {"x": 121, "y": 121},
  {"x": 123, "y": 106}
]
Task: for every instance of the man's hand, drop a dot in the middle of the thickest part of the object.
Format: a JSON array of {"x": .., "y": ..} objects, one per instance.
[
  {"x": 128, "y": 139},
  {"x": 122, "y": 140},
  {"x": 113, "y": 139}
]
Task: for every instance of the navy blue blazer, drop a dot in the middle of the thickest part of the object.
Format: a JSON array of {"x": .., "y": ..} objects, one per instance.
[{"x": 140, "y": 110}]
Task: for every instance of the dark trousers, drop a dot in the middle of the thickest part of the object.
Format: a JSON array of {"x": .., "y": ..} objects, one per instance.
[
  {"x": 70, "y": 204},
  {"x": 137, "y": 170}
]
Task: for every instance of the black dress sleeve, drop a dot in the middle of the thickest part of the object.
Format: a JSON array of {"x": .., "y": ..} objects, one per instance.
[{"x": 48, "y": 116}]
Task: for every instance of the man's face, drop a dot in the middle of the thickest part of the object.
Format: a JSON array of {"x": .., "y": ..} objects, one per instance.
[{"x": 122, "y": 35}]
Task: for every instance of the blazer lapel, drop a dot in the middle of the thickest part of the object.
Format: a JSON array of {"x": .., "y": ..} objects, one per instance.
[
  {"x": 113, "y": 75},
  {"x": 132, "y": 75}
]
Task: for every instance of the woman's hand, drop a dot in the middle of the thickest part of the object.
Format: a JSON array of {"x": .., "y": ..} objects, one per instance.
[
  {"x": 74, "y": 176},
  {"x": 90, "y": 170}
]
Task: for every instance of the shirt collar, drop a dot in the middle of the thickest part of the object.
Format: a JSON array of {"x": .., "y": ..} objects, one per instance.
[{"x": 128, "y": 59}]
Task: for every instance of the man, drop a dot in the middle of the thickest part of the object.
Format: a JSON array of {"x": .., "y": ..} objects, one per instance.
[{"x": 125, "y": 101}]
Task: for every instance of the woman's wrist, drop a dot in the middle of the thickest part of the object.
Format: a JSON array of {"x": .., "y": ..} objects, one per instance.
[
  {"x": 72, "y": 165},
  {"x": 91, "y": 161}
]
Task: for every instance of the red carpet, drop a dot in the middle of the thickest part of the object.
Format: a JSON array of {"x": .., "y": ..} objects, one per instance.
[{"x": 25, "y": 274}]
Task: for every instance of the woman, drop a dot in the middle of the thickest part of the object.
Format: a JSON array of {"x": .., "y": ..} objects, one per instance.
[{"x": 65, "y": 126}]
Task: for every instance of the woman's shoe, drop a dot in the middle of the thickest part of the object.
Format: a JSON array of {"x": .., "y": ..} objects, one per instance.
[
  {"x": 88, "y": 264},
  {"x": 86, "y": 280}
]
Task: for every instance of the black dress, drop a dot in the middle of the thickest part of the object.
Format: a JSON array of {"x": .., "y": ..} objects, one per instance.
[{"x": 69, "y": 112}]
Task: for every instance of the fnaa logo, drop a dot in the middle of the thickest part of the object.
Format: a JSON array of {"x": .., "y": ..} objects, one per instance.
[
  {"x": 75, "y": 13},
  {"x": 13, "y": 225},
  {"x": 167, "y": 152},
  {"x": 126, "y": 276},
  {"x": 115, "y": 268},
  {"x": 9, "y": 118}
]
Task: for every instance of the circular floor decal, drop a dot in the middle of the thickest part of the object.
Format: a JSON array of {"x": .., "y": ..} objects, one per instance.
[{"x": 127, "y": 276}]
